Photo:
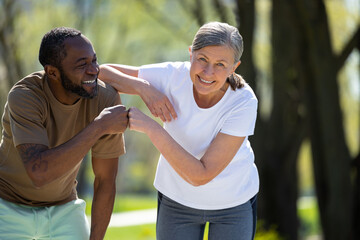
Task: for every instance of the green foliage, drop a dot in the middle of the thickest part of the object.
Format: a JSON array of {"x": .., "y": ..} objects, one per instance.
[
  {"x": 266, "y": 234},
  {"x": 309, "y": 217}
]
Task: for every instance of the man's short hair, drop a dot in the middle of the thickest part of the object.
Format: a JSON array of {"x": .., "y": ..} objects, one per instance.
[{"x": 52, "y": 49}]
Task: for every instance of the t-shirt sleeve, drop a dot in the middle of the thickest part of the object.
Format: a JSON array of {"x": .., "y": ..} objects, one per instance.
[
  {"x": 26, "y": 116},
  {"x": 159, "y": 75},
  {"x": 110, "y": 145},
  {"x": 241, "y": 120}
]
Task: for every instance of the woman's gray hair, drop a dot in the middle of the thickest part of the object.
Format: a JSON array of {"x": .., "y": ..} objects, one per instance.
[{"x": 221, "y": 34}]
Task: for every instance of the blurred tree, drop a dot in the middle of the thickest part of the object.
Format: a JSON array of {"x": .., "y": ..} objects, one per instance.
[
  {"x": 318, "y": 67},
  {"x": 279, "y": 136},
  {"x": 9, "y": 43}
]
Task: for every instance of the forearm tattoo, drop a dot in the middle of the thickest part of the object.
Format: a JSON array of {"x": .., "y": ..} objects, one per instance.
[{"x": 31, "y": 156}]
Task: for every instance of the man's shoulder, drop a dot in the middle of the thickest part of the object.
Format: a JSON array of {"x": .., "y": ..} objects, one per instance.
[
  {"x": 105, "y": 89},
  {"x": 107, "y": 95},
  {"x": 32, "y": 81},
  {"x": 31, "y": 86}
]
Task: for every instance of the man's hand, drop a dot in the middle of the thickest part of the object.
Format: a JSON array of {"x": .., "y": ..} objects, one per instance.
[{"x": 113, "y": 119}]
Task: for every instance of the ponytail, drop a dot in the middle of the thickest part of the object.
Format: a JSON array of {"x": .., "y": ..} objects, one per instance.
[{"x": 236, "y": 81}]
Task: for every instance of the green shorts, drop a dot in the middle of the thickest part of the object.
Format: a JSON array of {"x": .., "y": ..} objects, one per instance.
[{"x": 61, "y": 222}]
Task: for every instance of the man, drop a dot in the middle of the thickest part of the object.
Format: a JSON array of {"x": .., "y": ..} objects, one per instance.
[{"x": 52, "y": 118}]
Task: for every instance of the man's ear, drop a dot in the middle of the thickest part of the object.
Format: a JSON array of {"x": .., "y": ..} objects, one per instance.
[{"x": 52, "y": 72}]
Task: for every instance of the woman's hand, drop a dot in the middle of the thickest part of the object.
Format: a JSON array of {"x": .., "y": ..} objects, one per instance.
[
  {"x": 158, "y": 104},
  {"x": 125, "y": 80},
  {"x": 140, "y": 122}
]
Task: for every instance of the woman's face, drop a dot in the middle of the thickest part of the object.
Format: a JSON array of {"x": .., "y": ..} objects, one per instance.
[{"x": 210, "y": 67}]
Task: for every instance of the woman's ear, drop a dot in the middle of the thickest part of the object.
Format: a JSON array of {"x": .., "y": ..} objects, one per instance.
[
  {"x": 236, "y": 65},
  {"x": 52, "y": 72},
  {"x": 190, "y": 53}
]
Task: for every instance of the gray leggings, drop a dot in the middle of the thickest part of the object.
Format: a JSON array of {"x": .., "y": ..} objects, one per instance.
[{"x": 178, "y": 222}]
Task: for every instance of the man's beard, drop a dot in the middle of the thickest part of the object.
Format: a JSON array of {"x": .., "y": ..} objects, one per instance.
[{"x": 74, "y": 88}]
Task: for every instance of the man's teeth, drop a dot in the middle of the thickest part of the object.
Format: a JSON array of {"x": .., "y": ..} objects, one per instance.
[
  {"x": 89, "y": 82},
  {"x": 205, "y": 81}
]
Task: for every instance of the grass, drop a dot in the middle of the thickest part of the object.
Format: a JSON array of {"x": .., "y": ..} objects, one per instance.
[
  {"x": 309, "y": 217},
  {"x": 124, "y": 203},
  {"x": 141, "y": 232}
]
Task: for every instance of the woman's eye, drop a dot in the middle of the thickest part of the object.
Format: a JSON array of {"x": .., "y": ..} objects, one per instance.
[{"x": 220, "y": 65}]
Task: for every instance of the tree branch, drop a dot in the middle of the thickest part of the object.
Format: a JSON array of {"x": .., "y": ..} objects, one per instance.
[
  {"x": 220, "y": 8},
  {"x": 165, "y": 21},
  {"x": 349, "y": 47},
  {"x": 356, "y": 162},
  {"x": 194, "y": 9},
  {"x": 198, "y": 12}
]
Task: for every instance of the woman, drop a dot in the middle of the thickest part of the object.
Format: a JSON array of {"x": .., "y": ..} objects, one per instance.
[{"x": 206, "y": 170}]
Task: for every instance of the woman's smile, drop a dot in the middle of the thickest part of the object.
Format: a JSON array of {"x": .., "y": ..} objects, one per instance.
[{"x": 205, "y": 81}]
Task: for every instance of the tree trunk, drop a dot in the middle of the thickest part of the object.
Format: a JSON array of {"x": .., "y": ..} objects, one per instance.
[
  {"x": 8, "y": 43},
  {"x": 356, "y": 217},
  {"x": 245, "y": 16},
  {"x": 285, "y": 130},
  {"x": 331, "y": 158},
  {"x": 277, "y": 140}
]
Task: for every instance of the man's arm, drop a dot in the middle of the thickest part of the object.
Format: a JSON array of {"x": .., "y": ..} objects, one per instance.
[
  {"x": 44, "y": 165},
  {"x": 105, "y": 171}
]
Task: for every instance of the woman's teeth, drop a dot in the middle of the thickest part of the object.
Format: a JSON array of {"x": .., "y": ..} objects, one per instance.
[{"x": 205, "y": 81}]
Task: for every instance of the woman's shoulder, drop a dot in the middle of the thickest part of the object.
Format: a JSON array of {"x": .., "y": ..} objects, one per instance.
[
  {"x": 245, "y": 92},
  {"x": 165, "y": 70},
  {"x": 171, "y": 66},
  {"x": 244, "y": 96}
]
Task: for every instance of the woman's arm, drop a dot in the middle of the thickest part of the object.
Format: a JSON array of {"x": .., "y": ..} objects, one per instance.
[
  {"x": 125, "y": 80},
  {"x": 219, "y": 154}
]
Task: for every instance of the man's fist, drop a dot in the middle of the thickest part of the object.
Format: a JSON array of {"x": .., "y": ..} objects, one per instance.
[{"x": 113, "y": 119}]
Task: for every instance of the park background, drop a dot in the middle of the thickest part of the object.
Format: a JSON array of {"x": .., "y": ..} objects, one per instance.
[{"x": 302, "y": 59}]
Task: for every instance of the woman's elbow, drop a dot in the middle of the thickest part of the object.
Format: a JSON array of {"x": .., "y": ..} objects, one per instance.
[{"x": 199, "y": 181}]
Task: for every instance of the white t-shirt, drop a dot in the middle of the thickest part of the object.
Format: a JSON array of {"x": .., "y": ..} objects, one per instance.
[{"x": 195, "y": 128}]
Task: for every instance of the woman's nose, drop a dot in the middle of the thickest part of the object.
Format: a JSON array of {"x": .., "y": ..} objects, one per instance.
[{"x": 208, "y": 69}]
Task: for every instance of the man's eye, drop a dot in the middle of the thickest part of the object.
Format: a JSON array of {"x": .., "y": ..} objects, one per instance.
[
  {"x": 220, "y": 64},
  {"x": 81, "y": 65},
  {"x": 202, "y": 59}
]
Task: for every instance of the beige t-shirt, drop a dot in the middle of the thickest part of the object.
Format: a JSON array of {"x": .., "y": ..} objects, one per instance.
[{"x": 33, "y": 115}]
